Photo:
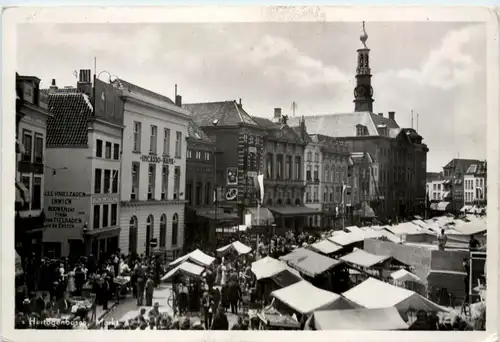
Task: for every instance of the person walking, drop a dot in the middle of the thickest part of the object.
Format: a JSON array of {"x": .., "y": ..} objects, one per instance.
[
  {"x": 442, "y": 239},
  {"x": 150, "y": 288}
]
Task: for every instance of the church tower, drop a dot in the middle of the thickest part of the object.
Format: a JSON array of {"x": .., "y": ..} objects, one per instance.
[{"x": 363, "y": 92}]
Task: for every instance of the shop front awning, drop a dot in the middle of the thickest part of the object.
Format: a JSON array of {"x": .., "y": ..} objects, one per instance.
[
  {"x": 291, "y": 210},
  {"x": 444, "y": 206},
  {"x": 22, "y": 193},
  {"x": 104, "y": 231},
  {"x": 260, "y": 216},
  {"x": 185, "y": 268},
  {"x": 218, "y": 215}
]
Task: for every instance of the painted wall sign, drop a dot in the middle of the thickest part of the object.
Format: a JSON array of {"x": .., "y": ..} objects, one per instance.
[
  {"x": 106, "y": 199},
  {"x": 232, "y": 176},
  {"x": 157, "y": 159},
  {"x": 63, "y": 209},
  {"x": 231, "y": 194}
]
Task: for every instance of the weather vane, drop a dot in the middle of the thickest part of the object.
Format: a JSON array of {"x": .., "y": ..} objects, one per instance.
[{"x": 364, "y": 36}]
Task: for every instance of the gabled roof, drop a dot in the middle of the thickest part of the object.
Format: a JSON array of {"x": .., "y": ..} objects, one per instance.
[
  {"x": 278, "y": 131},
  {"x": 229, "y": 113},
  {"x": 69, "y": 125},
  {"x": 140, "y": 90},
  {"x": 196, "y": 133},
  {"x": 344, "y": 125},
  {"x": 461, "y": 163}
]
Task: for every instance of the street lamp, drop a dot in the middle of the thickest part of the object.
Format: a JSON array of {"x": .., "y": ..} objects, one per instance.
[{"x": 215, "y": 122}]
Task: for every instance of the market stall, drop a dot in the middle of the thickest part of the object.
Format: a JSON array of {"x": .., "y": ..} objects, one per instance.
[
  {"x": 387, "y": 295},
  {"x": 304, "y": 298},
  {"x": 272, "y": 319},
  {"x": 408, "y": 280},
  {"x": 196, "y": 257},
  {"x": 356, "y": 319},
  {"x": 234, "y": 247}
]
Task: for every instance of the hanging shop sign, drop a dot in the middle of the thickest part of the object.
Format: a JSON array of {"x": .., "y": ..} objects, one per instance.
[
  {"x": 149, "y": 158},
  {"x": 232, "y": 176},
  {"x": 231, "y": 194},
  {"x": 63, "y": 209}
]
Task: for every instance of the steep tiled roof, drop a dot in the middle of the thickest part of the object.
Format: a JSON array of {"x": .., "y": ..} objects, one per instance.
[
  {"x": 228, "y": 113},
  {"x": 344, "y": 125},
  {"x": 68, "y": 126},
  {"x": 461, "y": 163},
  {"x": 196, "y": 133},
  {"x": 60, "y": 90},
  {"x": 137, "y": 89},
  {"x": 264, "y": 122}
]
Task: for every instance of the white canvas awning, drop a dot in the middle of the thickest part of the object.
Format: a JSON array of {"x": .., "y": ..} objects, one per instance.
[
  {"x": 403, "y": 275},
  {"x": 278, "y": 271},
  {"x": 356, "y": 319},
  {"x": 387, "y": 296},
  {"x": 185, "y": 268},
  {"x": 309, "y": 262},
  {"x": 346, "y": 238},
  {"x": 364, "y": 259},
  {"x": 196, "y": 257},
  {"x": 236, "y": 246},
  {"x": 305, "y": 298},
  {"x": 326, "y": 247}
]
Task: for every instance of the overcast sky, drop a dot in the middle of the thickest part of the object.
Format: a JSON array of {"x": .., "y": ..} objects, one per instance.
[{"x": 436, "y": 69}]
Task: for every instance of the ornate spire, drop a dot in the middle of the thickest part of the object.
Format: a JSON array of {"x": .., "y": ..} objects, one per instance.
[{"x": 364, "y": 36}]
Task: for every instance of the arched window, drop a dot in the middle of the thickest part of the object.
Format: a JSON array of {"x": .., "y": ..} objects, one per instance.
[
  {"x": 297, "y": 201},
  {"x": 175, "y": 229},
  {"x": 163, "y": 231},
  {"x": 132, "y": 235},
  {"x": 288, "y": 201},
  {"x": 269, "y": 201},
  {"x": 327, "y": 175},
  {"x": 279, "y": 202},
  {"x": 150, "y": 233},
  {"x": 332, "y": 175}
]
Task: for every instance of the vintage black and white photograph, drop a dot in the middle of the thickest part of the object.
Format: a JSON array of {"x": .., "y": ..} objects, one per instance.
[{"x": 287, "y": 175}]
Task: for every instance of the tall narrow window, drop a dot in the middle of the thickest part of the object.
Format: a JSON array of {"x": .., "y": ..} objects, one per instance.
[
  {"x": 38, "y": 148},
  {"x": 114, "y": 181},
  {"x": 166, "y": 141},
  {"x": 177, "y": 182},
  {"x": 308, "y": 173},
  {"x": 97, "y": 216},
  {"x": 105, "y": 215},
  {"x": 208, "y": 193},
  {"x": 269, "y": 166},
  {"x": 132, "y": 235},
  {"x": 108, "y": 150},
  {"x": 288, "y": 167},
  {"x": 136, "y": 168},
  {"x": 114, "y": 214},
  {"x": 279, "y": 166},
  {"x": 137, "y": 136},
  {"x": 164, "y": 182},
  {"x": 316, "y": 173},
  {"x": 37, "y": 193},
  {"x": 298, "y": 168},
  {"x": 175, "y": 229},
  {"x": 178, "y": 144},
  {"x": 151, "y": 181},
  {"x": 98, "y": 148},
  {"x": 116, "y": 151},
  {"x": 163, "y": 231},
  {"x": 153, "y": 142},
  {"x": 107, "y": 181},
  {"x": 97, "y": 181},
  {"x": 198, "y": 193},
  {"x": 189, "y": 193},
  {"x": 28, "y": 145}
]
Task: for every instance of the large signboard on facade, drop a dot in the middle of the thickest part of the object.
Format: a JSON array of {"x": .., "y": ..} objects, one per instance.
[
  {"x": 108, "y": 102},
  {"x": 232, "y": 176},
  {"x": 66, "y": 209}
]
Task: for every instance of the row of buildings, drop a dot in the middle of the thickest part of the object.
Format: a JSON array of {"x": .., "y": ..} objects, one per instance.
[
  {"x": 460, "y": 186},
  {"x": 114, "y": 166}
]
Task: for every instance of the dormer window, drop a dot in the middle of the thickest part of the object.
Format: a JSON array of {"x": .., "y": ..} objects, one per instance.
[
  {"x": 361, "y": 130},
  {"x": 382, "y": 129}
]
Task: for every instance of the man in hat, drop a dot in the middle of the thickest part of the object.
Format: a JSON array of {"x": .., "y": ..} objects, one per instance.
[
  {"x": 155, "y": 311},
  {"x": 150, "y": 288}
]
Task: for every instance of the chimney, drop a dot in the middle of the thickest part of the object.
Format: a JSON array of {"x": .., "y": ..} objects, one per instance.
[
  {"x": 239, "y": 103},
  {"x": 391, "y": 115},
  {"x": 303, "y": 129},
  {"x": 178, "y": 100},
  {"x": 277, "y": 113},
  {"x": 84, "y": 84},
  {"x": 53, "y": 87},
  {"x": 381, "y": 114}
]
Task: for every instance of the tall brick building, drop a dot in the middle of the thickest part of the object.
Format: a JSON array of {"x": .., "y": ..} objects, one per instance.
[{"x": 399, "y": 154}]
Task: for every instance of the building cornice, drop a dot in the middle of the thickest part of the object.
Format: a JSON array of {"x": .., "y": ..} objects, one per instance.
[
  {"x": 156, "y": 105},
  {"x": 105, "y": 122},
  {"x": 37, "y": 109},
  {"x": 151, "y": 202}
]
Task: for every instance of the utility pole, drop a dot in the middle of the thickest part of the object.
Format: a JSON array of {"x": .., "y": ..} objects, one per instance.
[
  {"x": 412, "y": 118},
  {"x": 294, "y": 107}
]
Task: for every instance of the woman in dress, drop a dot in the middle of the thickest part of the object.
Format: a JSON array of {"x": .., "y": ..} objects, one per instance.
[{"x": 70, "y": 287}]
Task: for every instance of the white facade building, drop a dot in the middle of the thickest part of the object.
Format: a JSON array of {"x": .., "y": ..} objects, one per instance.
[
  {"x": 436, "y": 190},
  {"x": 153, "y": 173},
  {"x": 475, "y": 184}
]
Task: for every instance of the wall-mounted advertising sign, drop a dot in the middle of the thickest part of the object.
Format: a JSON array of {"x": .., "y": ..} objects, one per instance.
[
  {"x": 232, "y": 176},
  {"x": 231, "y": 194},
  {"x": 157, "y": 159},
  {"x": 63, "y": 209}
]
